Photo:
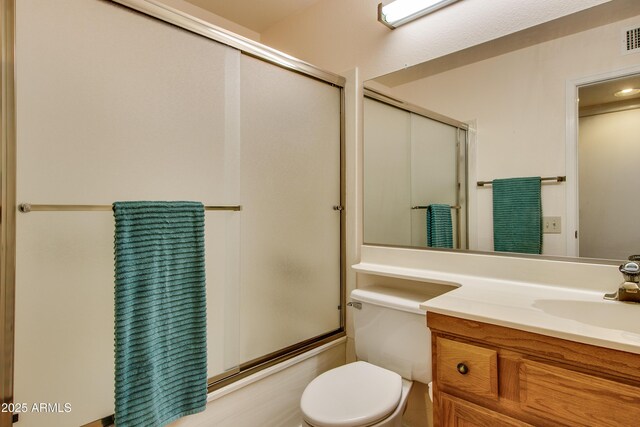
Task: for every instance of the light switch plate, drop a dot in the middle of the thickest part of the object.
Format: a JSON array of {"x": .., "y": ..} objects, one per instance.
[{"x": 551, "y": 225}]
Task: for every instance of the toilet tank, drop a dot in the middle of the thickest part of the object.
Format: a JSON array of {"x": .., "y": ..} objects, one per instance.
[{"x": 391, "y": 330}]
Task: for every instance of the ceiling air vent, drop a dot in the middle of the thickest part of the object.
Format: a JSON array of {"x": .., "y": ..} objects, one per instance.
[{"x": 631, "y": 40}]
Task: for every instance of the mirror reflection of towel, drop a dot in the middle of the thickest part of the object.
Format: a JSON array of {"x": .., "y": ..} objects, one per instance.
[
  {"x": 517, "y": 215},
  {"x": 439, "y": 227}
]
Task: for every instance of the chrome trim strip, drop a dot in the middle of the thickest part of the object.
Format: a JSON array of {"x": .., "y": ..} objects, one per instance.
[
  {"x": 226, "y": 374},
  {"x": 180, "y": 19},
  {"x": 457, "y": 192},
  {"x": 403, "y": 105},
  {"x": 103, "y": 422},
  {"x": 343, "y": 213},
  {"x": 8, "y": 203},
  {"x": 466, "y": 186},
  {"x": 274, "y": 358}
]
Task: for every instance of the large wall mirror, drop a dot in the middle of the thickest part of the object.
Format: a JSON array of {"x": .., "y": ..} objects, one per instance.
[{"x": 476, "y": 129}]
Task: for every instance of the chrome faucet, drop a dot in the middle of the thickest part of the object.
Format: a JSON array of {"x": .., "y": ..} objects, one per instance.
[{"x": 629, "y": 290}]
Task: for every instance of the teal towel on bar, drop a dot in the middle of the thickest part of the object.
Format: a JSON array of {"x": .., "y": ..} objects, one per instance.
[
  {"x": 160, "y": 312},
  {"x": 439, "y": 228},
  {"x": 517, "y": 215}
]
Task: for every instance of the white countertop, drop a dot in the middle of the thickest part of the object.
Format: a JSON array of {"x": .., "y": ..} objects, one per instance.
[{"x": 574, "y": 314}]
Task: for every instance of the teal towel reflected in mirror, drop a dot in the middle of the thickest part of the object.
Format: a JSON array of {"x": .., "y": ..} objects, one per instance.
[
  {"x": 160, "y": 312},
  {"x": 439, "y": 226},
  {"x": 517, "y": 215}
]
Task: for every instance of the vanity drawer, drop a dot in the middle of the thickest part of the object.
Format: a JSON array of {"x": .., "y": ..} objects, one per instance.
[
  {"x": 575, "y": 398},
  {"x": 468, "y": 368}
]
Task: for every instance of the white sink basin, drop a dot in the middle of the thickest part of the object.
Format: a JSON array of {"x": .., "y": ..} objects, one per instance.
[{"x": 613, "y": 315}]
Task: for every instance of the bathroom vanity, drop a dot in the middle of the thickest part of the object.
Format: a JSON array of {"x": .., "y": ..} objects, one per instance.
[
  {"x": 514, "y": 353},
  {"x": 488, "y": 375}
]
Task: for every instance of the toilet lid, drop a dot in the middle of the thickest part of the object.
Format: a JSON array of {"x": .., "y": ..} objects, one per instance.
[{"x": 356, "y": 394}]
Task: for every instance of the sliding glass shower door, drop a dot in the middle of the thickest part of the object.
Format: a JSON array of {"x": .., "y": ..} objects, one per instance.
[
  {"x": 434, "y": 174},
  {"x": 411, "y": 161},
  {"x": 130, "y": 107},
  {"x": 290, "y": 183}
]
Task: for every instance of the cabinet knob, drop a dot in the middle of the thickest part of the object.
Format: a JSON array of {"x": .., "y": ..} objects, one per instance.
[{"x": 462, "y": 368}]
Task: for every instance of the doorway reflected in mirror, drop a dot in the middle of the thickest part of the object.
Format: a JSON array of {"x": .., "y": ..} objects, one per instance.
[{"x": 609, "y": 168}]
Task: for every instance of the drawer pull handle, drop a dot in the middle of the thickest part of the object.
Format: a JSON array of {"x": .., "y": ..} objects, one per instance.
[{"x": 462, "y": 368}]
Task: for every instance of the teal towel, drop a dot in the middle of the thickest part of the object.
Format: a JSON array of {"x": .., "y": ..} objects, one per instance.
[
  {"x": 439, "y": 228},
  {"x": 517, "y": 215},
  {"x": 160, "y": 312}
]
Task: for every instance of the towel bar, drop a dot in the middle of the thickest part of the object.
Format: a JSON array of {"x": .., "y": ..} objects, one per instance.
[
  {"x": 27, "y": 207},
  {"x": 548, "y": 178},
  {"x": 425, "y": 207}
]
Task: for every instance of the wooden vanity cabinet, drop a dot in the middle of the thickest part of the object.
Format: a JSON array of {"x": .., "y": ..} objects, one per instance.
[{"x": 486, "y": 375}]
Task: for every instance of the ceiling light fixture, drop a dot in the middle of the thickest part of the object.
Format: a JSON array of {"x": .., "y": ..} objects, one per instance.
[
  {"x": 627, "y": 92},
  {"x": 400, "y": 12}
]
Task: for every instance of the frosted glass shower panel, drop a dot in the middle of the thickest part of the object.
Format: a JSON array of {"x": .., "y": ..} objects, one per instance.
[
  {"x": 410, "y": 162},
  {"x": 113, "y": 105},
  {"x": 434, "y": 162},
  {"x": 290, "y": 181},
  {"x": 387, "y": 174}
]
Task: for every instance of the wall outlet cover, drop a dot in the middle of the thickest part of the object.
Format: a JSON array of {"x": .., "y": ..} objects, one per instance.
[{"x": 551, "y": 225}]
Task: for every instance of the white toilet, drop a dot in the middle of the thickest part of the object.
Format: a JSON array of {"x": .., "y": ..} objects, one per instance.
[{"x": 393, "y": 347}]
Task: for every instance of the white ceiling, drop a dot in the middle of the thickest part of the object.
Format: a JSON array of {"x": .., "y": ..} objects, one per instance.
[{"x": 257, "y": 15}]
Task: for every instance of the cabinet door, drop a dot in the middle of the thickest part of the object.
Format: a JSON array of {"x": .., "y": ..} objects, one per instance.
[
  {"x": 572, "y": 398},
  {"x": 456, "y": 412}
]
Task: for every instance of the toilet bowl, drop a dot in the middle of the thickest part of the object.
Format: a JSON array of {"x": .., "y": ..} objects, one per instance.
[
  {"x": 393, "y": 346},
  {"x": 356, "y": 394}
]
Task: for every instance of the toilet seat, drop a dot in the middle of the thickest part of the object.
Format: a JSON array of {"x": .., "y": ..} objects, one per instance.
[{"x": 356, "y": 394}]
